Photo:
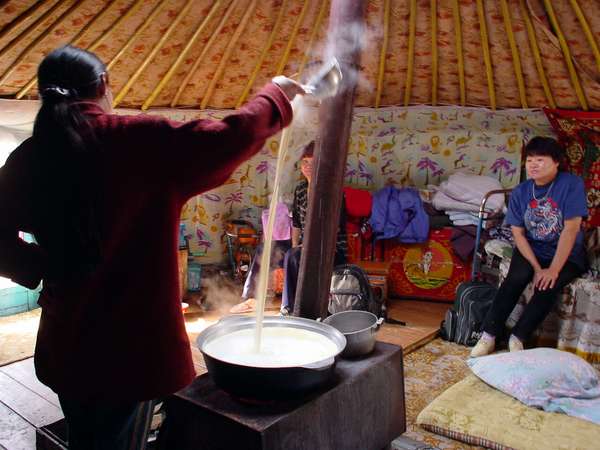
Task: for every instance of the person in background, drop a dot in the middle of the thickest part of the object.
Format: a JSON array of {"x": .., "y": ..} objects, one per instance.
[
  {"x": 291, "y": 262},
  {"x": 281, "y": 243},
  {"x": 102, "y": 193},
  {"x": 545, "y": 213}
]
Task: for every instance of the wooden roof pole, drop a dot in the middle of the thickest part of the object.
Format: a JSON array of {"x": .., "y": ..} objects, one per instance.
[
  {"x": 459, "y": 51},
  {"x": 23, "y": 34},
  {"x": 566, "y": 55},
  {"x": 203, "y": 53},
  {"x": 292, "y": 39},
  {"x": 157, "y": 8},
  {"x": 412, "y": 25},
  {"x": 9, "y": 27},
  {"x": 485, "y": 46},
  {"x": 25, "y": 89},
  {"x": 434, "y": 53},
  {"x": 226, "y": 54},
  {"x": 164, "y": 38},
  {"x": 515, "y": 53},
  {"x": 383, "y": 53},
  {"x": 100, "y": 39},
  {"x": 165, "y": 79},
  {"x": 25, "y": 52},
  {"x": 587, "y": 31},
  {"x": 536, "y": 54},
  {"x": 313, "y": 35},
  {"x": 263, "y": 55},
  {"x": 325, "y": 196}
]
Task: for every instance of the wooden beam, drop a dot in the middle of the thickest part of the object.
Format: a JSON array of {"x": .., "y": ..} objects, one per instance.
[
  {"x": 325, "y": 194},
  {"x": 164, "y": 38},
  {"x": 536, "y": 53},
  {"x": 25, "y": 52},
  {"x": 459, "y": 51},
  {"x": 266, "y": 48},
  {"x": 147, "y": 21},
  {"x": 412, "y": 25},
  {"x": 162, "y": 83},
  {"x": 485, "y": 47},
  {"x": 10, "y": 26},
  {"x": 74, "y": 41},
  {"x": 515, "y": 53},
  {"x": 130, "y": 11},
  {"x": 23, "y": 34},
  {"x": 587, "y": 31},
  {"x": 383, "y": 52},
  {"x": 225, "y": 58},
  {"x": 292, "y": 39},
  {"x": 313, "y": 35},
  {"x": 567, "y": 55},
  {"x": 434, "y": 53},
  {"x": 205, "y": 50}
]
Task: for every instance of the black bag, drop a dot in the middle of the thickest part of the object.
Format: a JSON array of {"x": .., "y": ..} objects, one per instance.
[
  {"x": 350, "y": 290},
  {"x": 464, "y": 320}
]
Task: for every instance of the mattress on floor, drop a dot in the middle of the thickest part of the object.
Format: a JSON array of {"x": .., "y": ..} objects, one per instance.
[{"x": 473, "y": 412}]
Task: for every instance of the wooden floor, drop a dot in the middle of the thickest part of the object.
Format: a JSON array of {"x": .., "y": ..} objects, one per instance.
[{"x": 26, "y": 404}]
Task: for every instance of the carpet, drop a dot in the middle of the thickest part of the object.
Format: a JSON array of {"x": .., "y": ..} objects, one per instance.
[
  {"x": 17, "y": 336},
  {"x": 429, "y": 371}
]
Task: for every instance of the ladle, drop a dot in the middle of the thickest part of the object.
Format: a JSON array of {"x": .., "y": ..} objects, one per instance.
[{"x": 326, "y": 82}]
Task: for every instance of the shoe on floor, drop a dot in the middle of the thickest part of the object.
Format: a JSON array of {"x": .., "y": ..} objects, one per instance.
[
  {"x": 515, "y": 344},
  {"x": 284, "y": 311},
  {"x": 244, "y": 307},
  {"x": 484, "y": 346}
]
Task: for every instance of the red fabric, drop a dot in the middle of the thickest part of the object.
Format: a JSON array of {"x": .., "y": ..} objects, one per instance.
[
  {"x": 119, "y": 334},
  {"x": 579, "y": 133},
  {"x": 358, "y": 206}
]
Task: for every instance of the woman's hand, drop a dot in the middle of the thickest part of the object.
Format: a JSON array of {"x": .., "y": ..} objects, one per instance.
[
  {"x": 289, "y": 87},
  {"x": 545, "y": 278}
]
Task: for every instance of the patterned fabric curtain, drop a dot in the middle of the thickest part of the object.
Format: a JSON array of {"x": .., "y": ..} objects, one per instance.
[{"x": 579, "y": 133}]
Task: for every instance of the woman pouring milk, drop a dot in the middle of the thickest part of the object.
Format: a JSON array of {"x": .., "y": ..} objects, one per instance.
[{"x": 102, "y": 194}]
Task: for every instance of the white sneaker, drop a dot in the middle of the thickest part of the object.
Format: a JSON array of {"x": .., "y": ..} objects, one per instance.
[
  {"x": 515, "y": 344},
  {"x": 484, "y": 346}
]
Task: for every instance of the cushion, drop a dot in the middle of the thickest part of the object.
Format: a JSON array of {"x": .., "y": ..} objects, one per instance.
[
  {"x": 545, "y": 378},
  {"x": 475, "y": 413}
]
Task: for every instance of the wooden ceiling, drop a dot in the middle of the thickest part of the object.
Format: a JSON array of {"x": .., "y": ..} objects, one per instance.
[{"x": 216, "y": 53}]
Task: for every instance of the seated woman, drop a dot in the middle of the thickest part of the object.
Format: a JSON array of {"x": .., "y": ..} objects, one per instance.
[
  {"x": 299, "y": 208},
  {"x": 545, "y": 214}
]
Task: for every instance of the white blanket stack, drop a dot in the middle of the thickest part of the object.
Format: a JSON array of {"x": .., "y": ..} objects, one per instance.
[{"x": 461, "y": 195}]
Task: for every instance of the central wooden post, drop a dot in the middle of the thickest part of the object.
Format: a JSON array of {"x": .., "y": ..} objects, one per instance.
[{"x": 346, "y": 29}]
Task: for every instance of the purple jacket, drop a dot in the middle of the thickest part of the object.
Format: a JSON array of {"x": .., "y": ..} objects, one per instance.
[{"x": 399, "y": 213}]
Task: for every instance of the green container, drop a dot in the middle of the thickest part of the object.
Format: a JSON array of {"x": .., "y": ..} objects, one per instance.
[{"x": 194, "y": 276}]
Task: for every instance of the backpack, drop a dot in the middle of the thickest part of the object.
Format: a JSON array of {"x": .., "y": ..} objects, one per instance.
[
  {"x": 464, "y": 320},
  {"x": 350, "y": 290}
]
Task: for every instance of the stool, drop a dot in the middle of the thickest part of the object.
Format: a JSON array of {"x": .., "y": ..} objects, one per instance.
[{"x": 377, "y": 272}]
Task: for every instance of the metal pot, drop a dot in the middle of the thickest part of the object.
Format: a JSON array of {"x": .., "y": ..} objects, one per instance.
[
  {"x": 269, "y": 383},
  {"x": 359, "y": 329}
]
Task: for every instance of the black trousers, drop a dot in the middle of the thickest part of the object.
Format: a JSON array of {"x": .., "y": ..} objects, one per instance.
[
  {"x": 107, "y": 426},
  {"x": 277, "y": 256},
  {"x": 519, "y": 275},
  {"x": 291, "y": 266}
]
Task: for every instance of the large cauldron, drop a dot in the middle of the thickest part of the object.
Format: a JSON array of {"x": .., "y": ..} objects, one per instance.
[{"x": 269, "y": 383}]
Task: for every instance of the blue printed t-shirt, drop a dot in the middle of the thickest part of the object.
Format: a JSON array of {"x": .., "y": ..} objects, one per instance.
[{"x": 544, "y": 218}]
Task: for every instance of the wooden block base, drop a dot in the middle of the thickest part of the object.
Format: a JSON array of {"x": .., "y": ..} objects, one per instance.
[{"x": 364, "y": 409}]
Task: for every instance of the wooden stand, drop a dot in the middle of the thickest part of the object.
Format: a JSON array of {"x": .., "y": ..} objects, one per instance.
[{"x": 364, "y": 409}]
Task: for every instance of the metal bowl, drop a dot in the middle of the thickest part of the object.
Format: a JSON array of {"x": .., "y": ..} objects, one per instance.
[
  {"x": 359, "y": 328},
  {"x": 269, "y": 383}
]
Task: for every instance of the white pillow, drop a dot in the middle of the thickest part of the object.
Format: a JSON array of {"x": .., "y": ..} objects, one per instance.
[{"x": 545, "y": 378}]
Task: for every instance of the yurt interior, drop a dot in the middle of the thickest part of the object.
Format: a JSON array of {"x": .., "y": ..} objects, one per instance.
[{"x": 380, "y": 185}]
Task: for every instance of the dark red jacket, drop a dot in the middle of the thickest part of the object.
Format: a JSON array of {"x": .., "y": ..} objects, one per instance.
[{"x": 119, "y": 333}]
